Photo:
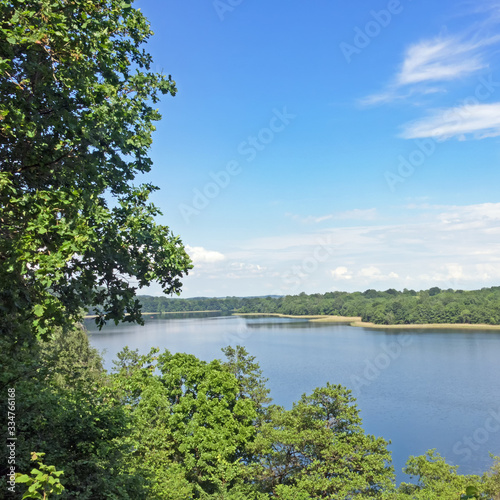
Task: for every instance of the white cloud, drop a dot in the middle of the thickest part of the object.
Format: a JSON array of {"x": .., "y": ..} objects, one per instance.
[
  {"x": 429, "y": 63},
  {"x": 423, "y": 245},
  {"x": 200, "y": 255},
  {"x": 374, "y": 273},
  {"x": 441, "y": 59},
  {"x": 370, "y": 272},
  {"x": 450, "y": 273},
  {"x": 481, "y": 120},
  {"x": 480, "y": 212},
  {"x": 238, "y": 270},
  {"x": 341, "y": 273}
]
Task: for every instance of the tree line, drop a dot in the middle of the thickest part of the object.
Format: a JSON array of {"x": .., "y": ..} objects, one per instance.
[{"x": 387, "y": 307}]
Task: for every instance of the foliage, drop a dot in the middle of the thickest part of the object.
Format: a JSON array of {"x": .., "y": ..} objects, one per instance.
[
  {"x": 436, "y": 480},
  {"x": 249, "y": 376},
  {"x": 70, "y": 360},
  {"x": 190, "y": 424},
  {"x": 319, "y": 450},
  {"x": 76, "y": 419},
  {"x": 76, "y": 118},
  {"x": 43, "y": 481},
  {"x": 198, "y": 433},
  {"x": 492, "y": 480}
]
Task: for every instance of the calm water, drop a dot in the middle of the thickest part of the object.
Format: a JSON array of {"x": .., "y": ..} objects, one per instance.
[{"x": 419, "y": 389}]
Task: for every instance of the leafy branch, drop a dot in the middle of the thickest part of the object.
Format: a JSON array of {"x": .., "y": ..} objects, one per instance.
[{"x": 42, "y": 481}]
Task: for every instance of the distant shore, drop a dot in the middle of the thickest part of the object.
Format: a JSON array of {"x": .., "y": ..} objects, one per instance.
[
  {"x": 350, "y": 320},
  {"x": 356, "y": 321},
  {"x": 316, "y": 317},
  {"x": 90, "y": 316}
]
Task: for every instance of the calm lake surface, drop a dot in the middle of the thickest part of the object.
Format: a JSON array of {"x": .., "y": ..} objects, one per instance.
[{"x": 421, "y": 389}]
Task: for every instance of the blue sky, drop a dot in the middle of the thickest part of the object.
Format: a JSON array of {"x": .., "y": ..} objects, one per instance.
[{"x": 319, "y": 146}]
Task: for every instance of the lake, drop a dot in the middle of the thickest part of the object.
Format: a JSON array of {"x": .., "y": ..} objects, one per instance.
[{"x": 421, "y": 389}]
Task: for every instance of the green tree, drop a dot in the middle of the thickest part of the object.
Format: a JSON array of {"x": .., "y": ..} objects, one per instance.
[
  {"x": 436, "y": 480},
  {"x": 249, "y": 376},
  {"x": 191, "y": 428},
  {"x": 319, "y": 450},
  {"x": 66, "y": 406},
  {"x": 76, "y": 118}
]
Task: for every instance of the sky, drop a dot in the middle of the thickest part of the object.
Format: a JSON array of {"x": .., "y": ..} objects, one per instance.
[{"x": 329, "y": 145}]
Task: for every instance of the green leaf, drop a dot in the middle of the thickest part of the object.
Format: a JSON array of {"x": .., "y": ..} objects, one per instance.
[
  {"x": 22, "y": 478},
  {"x": 38, "y": 310}
]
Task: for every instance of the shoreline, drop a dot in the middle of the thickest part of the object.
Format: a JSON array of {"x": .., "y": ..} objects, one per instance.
[
  {"x": 91, "y": 316},
  {"x": 313, "y": 318},
  {"x": 354, "y": 321}
]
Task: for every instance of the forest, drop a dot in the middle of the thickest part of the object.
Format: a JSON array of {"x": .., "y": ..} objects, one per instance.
[
  {"x": 389, "y": 307},
  {"x": 77, "y": 114}
]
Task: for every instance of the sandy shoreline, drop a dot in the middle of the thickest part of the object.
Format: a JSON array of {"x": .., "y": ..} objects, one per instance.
[
  {"x": 315, "y": 318},
  {"x": 356, "y": 321},
  {"x": 351, "y": 320}
]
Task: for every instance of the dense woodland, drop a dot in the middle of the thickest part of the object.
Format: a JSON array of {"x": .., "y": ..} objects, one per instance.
[
  {"x": 77, "y": 113},
  {"x": 388, "y": 307}
]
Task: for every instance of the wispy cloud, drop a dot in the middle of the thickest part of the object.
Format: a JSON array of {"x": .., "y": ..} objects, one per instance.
[
  {"x": 480, "y": 120},
  {"x": 441, "y": 59},
  {"x": 428, "y": 63},
  {"x": 355, "y": 214}
]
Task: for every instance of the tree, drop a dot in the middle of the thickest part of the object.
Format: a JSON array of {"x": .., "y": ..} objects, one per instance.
[
  {"x": 319, "y": 450},
  {"x": 249, "y": 376},
  {"x": 437, "y": 480},
  {"x": 191, "y": 428},
  {"x": 66, "y": 406},
  {"x": 76, "y": 118}
]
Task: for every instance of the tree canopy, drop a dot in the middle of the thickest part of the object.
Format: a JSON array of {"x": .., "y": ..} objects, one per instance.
[{"x": 77, "y": 115}]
